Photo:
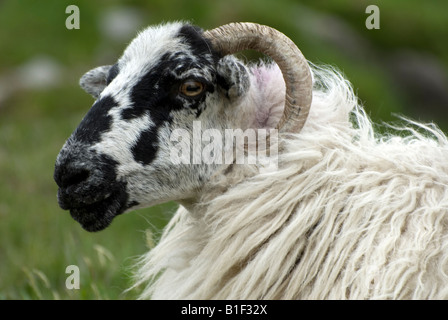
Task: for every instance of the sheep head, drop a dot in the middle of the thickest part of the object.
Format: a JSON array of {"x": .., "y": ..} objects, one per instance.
[{"x": 169, "y": 77}]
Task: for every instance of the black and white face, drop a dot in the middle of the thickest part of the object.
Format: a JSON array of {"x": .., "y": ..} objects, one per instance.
[{"x": 118, "y": 158}]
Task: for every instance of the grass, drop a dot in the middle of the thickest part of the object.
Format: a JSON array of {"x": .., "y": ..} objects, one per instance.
[{"x": 37, "y": 239}]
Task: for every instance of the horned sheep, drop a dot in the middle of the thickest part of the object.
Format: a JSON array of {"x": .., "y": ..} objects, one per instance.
[{"x": 345, "y": 213}]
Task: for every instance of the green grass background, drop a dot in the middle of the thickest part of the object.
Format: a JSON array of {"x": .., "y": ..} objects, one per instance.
[{"x": 37, "y": 239}]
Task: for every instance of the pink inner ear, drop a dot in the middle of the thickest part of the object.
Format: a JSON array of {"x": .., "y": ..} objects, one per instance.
[{"x": 267, "y": 95}]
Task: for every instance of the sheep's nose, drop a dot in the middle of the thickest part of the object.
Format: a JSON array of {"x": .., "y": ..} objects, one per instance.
[
  {"x": 84, "y": 176},
  {"x": 66, "y": 176},
  {"x": 75, "y": 185},
  {"x": 88, "y": 186}
]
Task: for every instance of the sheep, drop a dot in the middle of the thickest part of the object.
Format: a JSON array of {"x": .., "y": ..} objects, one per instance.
[{"x": 346, "y": 213}]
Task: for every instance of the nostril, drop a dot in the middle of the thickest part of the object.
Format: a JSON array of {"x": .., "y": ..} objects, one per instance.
[
  {"x": 75, "y": 177},
  {"x": 71, "y": 177}
]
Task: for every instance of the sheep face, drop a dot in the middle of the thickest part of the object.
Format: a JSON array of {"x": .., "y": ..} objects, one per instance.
[{"x": 119, "y": 156}]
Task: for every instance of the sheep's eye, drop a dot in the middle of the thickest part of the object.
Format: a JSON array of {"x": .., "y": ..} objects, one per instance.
[{"x": 192, "y": 88}]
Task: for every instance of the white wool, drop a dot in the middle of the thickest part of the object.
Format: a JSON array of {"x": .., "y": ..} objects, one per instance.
[{"x": 348, "y": 214}]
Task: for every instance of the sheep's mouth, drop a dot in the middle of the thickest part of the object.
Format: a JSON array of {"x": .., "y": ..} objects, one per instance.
[{"x": 98, "y": 215}]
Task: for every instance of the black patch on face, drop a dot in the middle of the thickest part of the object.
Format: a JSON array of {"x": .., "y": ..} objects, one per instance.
[
  {"x": 96, "y": 121},
  {"x": 113, "y": 72},
  {"x": 145, "y": 150},
  {"x": 150, "y": 93}
]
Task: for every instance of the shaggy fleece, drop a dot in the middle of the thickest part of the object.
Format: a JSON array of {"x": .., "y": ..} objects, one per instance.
[{"x": 348, "y": 214}]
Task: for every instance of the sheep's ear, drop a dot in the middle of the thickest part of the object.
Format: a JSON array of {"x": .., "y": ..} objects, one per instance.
[
  {"x": 95, "y": 80},
  {"x": 233, "y": 77}
]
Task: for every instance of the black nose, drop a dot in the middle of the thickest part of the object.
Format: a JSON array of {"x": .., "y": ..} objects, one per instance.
[
  {"x": 83, "y": 176},
  {"x": 88, "y": 186},
  {"x": 66, "y": 176},
  {"x": 76, "y": 186}
]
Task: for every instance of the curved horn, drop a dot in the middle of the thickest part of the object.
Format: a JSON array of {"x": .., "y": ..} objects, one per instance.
[{"x": 235, "y": 37}]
